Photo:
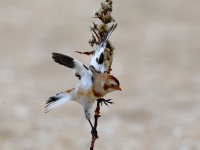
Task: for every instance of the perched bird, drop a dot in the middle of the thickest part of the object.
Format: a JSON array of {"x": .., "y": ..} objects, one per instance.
[{"x": 94, "y": 82}]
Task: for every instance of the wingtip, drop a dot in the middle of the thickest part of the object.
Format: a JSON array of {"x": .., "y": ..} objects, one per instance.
[
  {"x": 63, "y": 60},
  {"x": 112, "y": 28},
  {"x": 108, "y": 33},
  {"x": 115, "y": 26},
  {"x": 54, "y": 53}
]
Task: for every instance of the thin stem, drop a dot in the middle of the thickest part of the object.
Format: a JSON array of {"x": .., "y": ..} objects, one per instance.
[{"x": 96, "y": 116}]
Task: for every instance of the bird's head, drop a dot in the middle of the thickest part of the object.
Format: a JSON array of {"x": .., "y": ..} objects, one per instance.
[
  {"x": 104, "y": 84},
  {"x": 111, "y": 84}
]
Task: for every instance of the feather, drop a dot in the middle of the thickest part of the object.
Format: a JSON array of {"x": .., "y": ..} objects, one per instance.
[
  {"x": 79, "y": 68},
  {"x": 102, "y": 58},
  {"x": 56, "y": 101}
]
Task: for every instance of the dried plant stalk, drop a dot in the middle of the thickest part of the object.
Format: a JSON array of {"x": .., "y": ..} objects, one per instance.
[
  {"x": 99, "y": 29},
  {"x": 103, "y": 18}
]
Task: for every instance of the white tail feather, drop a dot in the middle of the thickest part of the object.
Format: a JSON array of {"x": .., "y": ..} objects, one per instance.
[{"x": 56, "y": 101}]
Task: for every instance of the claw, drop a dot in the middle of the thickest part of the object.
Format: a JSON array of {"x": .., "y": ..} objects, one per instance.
[{"x": 106, "y": 102}]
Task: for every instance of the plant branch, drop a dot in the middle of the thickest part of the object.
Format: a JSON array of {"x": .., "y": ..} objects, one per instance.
[
  {"x": 96, "y": 116},
  {"x": 98, "y": 31}
]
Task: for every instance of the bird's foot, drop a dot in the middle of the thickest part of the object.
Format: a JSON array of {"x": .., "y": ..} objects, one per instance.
[
  {"x": 94, "y": 130},
  {"x": 94, "y": 133},
  {"x": 105, "y": 101}
]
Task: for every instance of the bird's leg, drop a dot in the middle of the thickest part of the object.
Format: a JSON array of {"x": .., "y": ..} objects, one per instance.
[
  {"x": 94, "y": 130},
  {"x": 105, "y": 101}
]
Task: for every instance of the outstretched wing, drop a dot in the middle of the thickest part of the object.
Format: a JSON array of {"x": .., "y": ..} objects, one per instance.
[
  {"x": 98, "y": 59},
  {"x": 79, "y": 68}
]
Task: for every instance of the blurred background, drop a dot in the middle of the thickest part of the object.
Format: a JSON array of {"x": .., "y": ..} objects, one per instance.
[{"x": 157, "y": 61}]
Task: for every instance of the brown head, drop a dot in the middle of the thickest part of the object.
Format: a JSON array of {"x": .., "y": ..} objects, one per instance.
[
  {"x": 104, "y": 84},
  {"x": 111, "y": 84}
]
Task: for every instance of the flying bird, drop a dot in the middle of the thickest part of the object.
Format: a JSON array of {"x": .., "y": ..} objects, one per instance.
[{"x": 94, "y": 82}]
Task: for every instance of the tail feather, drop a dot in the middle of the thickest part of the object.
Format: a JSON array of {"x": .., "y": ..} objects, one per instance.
[{"x": 56, "y": 101}]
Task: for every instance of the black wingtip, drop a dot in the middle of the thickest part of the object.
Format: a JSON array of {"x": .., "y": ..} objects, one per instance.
[
  {"x": 63, "y": 60},
  {"x": 108, "y": 33}
]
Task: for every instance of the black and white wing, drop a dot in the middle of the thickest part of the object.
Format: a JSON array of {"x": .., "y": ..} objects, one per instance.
[
  {"x": 79, "y": 68},
  {"x": 98, "y": 58}
]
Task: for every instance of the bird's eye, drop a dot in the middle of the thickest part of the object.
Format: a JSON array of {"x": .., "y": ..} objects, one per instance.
[{"x": 112, "y": 85}]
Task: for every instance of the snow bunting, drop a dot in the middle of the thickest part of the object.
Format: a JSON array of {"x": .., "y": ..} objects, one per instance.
[{"x": 94, "y": 81}]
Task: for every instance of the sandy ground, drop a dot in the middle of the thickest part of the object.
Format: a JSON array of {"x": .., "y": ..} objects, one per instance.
[{"x": 157, "y": 61}]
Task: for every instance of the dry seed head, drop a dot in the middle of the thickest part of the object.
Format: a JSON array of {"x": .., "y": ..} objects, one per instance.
[
  {"x": 95, "y": 12},
  {"x": 99, "y": 30},
  {"x": 102, "y": 28},
  {"x": 109, "y": 2},
  {"x": 106, "y": 7},
  {"x": 108, "y": 58},
  {"x": 108, "y": 19}
]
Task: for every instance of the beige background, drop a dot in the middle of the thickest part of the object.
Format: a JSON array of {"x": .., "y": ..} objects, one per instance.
[{"x": 157, "y": 61}]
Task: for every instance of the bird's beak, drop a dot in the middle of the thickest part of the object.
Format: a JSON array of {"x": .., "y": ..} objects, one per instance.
[{"x": 118, "y": 88}]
